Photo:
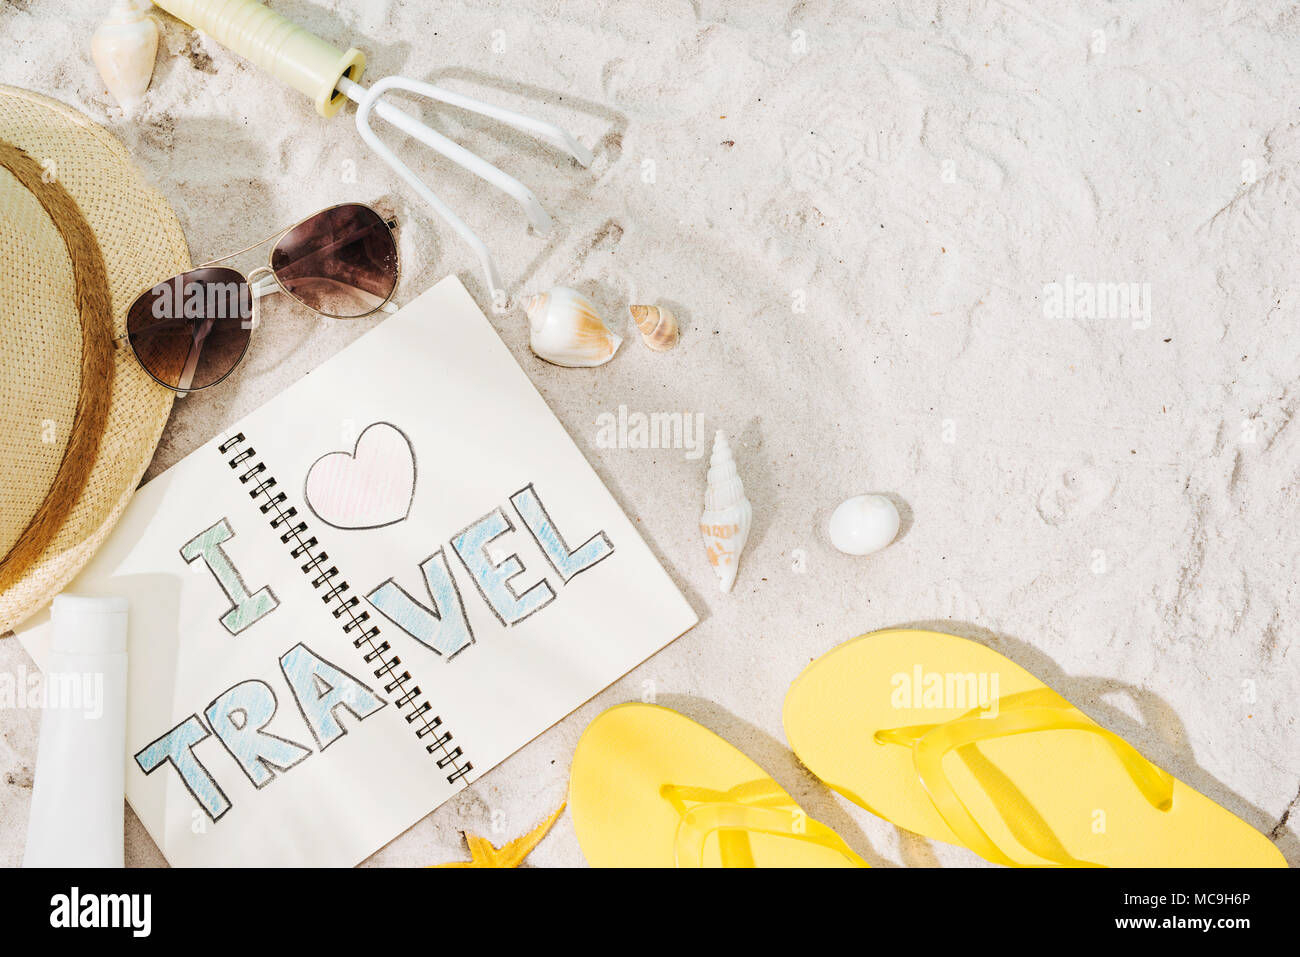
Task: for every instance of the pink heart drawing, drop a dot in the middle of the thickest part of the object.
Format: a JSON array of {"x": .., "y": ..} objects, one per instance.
[{"x": 369, "y": 488}]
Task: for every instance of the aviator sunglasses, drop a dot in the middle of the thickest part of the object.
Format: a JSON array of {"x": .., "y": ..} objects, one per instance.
[{"x": 191, "y": 331}]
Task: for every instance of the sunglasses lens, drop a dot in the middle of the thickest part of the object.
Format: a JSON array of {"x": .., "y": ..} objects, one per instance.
[
  {"x": 191, "y": 331},
  {"x": 342, "y": 262}
]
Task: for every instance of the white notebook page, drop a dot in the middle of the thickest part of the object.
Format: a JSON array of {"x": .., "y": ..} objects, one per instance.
[{"x": 432, "y": 475}]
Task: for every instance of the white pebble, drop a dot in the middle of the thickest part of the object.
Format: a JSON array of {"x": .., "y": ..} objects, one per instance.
[{"x": 863, "y": 524}]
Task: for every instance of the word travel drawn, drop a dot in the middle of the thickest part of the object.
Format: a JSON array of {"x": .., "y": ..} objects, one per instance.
[
  {"x": 326, "y": 695},
  {"x": 493, "y": 576},
  {"x": 238, "y": 716}
]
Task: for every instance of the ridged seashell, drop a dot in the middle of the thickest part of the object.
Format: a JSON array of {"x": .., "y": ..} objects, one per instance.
[
  {"x": 863, "y": 524},
  {"x": 566, "y": 330},
  {"x": 658, "y": 326},
  {"x": 727, "y": 513},
  {"x": 123, "y": 48}
]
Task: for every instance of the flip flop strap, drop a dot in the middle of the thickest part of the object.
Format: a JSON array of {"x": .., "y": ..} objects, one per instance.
[
  {"x": 704, "y": 819},
  {"x": 731, "y": 819},
  {"x": 930, "y": 744}
]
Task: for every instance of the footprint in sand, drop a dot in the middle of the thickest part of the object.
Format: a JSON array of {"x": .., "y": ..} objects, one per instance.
[{"x": 1074, "y": 493}]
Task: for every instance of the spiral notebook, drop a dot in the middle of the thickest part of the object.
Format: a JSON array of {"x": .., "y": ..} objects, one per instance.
[{"x": 365, "y": 595}]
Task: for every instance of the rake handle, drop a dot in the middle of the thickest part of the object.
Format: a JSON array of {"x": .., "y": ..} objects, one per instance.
[{"x": 276, "y": 44}]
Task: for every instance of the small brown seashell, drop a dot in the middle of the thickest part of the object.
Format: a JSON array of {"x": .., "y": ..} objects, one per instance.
[{"x": 658, "y": 326}]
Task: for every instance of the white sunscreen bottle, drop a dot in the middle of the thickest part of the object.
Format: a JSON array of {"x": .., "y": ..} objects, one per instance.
[{"x": 76, "y": 816}]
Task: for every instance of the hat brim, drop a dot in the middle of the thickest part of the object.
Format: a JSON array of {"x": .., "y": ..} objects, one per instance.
[{"x": 141, "y": 242}]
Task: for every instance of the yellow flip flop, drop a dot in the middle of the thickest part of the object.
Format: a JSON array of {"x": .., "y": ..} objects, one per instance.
[
  {"x": 946, "y": 737},
  {"x": 651, "y": 788}
]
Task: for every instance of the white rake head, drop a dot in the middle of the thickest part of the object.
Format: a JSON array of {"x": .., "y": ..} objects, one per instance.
[
  {"x": 329, "y": 76},
  {"x": 371, "y": 100}
]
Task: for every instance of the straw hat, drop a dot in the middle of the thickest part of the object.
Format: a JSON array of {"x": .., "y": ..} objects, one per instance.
[{"x": 80, "y": 236}]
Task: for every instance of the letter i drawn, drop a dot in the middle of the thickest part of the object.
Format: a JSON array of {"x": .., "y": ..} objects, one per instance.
[{"x": 245, "y": 608}]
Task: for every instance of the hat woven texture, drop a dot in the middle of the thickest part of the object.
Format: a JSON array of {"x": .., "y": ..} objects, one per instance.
[{"x": 81, "y": 235}]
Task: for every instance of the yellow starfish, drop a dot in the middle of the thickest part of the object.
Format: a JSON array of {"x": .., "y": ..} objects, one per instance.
[{"x": 511, "y": 854}]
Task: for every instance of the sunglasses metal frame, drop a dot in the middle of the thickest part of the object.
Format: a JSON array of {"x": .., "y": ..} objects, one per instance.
[{"x": 255, "y": 279}]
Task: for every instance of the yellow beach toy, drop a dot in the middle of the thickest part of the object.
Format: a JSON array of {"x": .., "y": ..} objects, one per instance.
[
  {"x": 945, "y": 737},
  {"x": 651, "y": 788}
]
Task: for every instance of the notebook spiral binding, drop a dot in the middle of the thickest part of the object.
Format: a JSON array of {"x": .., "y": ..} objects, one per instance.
[{"x": 376, "y": 653}]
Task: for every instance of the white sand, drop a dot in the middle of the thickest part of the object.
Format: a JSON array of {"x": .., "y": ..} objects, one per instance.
[{"x": 1113, "y": 507}]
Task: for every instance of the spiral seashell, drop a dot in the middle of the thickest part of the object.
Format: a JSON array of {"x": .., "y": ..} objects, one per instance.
[
  {"x": 566, "y": 330},
  {"x": 123, "y": 48},
  {"x": 658, "y": 326},
  {"x": 727, "y": 514}
]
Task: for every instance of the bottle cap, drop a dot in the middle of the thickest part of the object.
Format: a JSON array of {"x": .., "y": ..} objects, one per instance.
[{"x": 83, "y": 625}]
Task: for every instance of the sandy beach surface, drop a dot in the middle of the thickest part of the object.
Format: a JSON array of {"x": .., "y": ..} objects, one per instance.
[{"x": 871, "y": 220}]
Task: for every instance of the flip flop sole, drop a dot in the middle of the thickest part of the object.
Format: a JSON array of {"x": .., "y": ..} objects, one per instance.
[
  {"x": 623, "y": 761},
  {"x": 1063, "y": 791}
]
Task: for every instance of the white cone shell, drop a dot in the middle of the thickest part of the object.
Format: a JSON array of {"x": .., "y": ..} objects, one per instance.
[
  {"x": 727, "y": 514},
  {"x": 123, "y": 48}
]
